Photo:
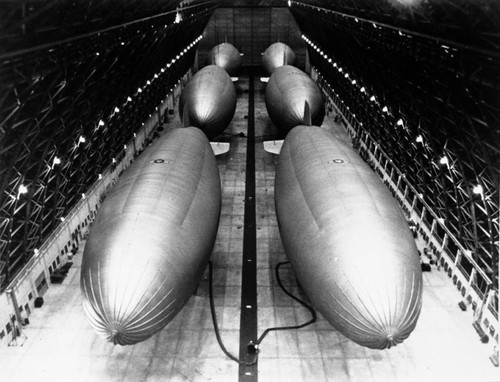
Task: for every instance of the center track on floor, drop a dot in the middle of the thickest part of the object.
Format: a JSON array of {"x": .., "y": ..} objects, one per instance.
[{"x": 248, "y": 321}]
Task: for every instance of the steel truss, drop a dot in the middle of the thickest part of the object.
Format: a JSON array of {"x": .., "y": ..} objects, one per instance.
[
  {"x": 68, "y": 108},
  {"x": 432, "y": 107}
]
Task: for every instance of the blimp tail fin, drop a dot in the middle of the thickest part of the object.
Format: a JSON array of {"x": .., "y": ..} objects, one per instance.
[
  {"x": 185, "y": 116},
  {"x": 219, "y": 148},
  {"x": 273, "y": 147},
  {"x": 307, "y": 115}
]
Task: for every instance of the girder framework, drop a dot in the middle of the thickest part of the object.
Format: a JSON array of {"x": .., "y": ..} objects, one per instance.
[
  {"x": 26, "y": 24},
  {"x": 473, "y": 24},
  {"x": 432, "y": 107},
  {"x": 67, "y": 109}
]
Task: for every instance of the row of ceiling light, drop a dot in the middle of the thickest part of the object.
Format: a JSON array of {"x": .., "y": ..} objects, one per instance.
[
  {"x": 155, "y": 76},
  {"x": 355, "y": 83},
  {"x": 362, "y": 89},
  {"x": 116, "y": 110},
  {"x": 477, "y": 189},
  {"x": 356, "y": 19},
  {"x": 22, "y": 189},
  {"x": 178, "y": 18},
  {"x": 347, "y": 76}
]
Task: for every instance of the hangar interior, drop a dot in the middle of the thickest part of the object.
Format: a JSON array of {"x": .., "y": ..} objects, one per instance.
[{"x": 86, "y": 86}]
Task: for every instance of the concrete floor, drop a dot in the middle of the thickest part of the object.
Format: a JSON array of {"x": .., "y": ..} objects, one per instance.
[{"x": 61, "y": 346}]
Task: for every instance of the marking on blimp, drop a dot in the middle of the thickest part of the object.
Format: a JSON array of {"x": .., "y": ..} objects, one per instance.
[
  {"x": 337, "y": 161},
  {"x": 158, "y": 161}
]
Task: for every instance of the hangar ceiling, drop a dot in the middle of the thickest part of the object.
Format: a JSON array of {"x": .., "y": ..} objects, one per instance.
[{"x": 429, "y": 70}]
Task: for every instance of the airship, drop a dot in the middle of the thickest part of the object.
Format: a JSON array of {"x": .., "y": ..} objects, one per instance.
[
  {"x": 277, "y": 55},
  {"x": 227, "y": 57},
  {"x": 288, "y": 91},
  {"x": 152, "y": 238},
  {"x": 347, "y": 240},
  {"x": 210, "y": 100}
]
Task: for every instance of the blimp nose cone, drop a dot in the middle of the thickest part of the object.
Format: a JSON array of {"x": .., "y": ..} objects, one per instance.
[
  {"x": 126, "y": 320},
  {"x": 129, "y": 302},
  {"x": 127, "y": 325},
  {"x": 385, "y": 339},
  {"x": 377, "y": 312},
  {"x": 117, "y": 337},
  {"x": 392, "y": 340},
  {"x": 122, "y": 336}
]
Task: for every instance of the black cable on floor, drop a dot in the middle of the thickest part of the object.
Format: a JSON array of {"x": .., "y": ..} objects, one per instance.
[
  {"x": 214, "y": 320},
  {"x": 253, "y": 347}
]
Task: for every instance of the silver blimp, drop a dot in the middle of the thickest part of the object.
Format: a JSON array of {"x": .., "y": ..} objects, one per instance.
[
  {"x": 347, "y": 239},
  {"x": 210, "y": 100},
  {"x": 277, "y": 55},
  {"x": 152, "y": 238},
  {"x": 288, "y": 91},
  {"x": 227, "y": 57}
]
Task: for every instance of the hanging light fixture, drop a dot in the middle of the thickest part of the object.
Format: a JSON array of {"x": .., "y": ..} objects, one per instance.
[
  {"x": 22, "y": 189},
  {"x": 478, "y": 189}
]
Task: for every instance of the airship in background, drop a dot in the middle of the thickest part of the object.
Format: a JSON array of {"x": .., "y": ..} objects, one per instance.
[
  {"x": 347, "y": 239},
  {"x": 227, "y": 57},
  {"x": 277, "y": 55},
  {"x": 288, "y": 91},
  {"x": 152, "y": 238},
  {"x": 210, "y": 100}
]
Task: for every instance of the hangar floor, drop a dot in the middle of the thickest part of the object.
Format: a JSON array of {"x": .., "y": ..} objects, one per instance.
[{"x": 61, "y": 346}]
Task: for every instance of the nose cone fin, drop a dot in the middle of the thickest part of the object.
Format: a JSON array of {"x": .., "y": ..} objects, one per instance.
[{"x": 307, "y": 114}]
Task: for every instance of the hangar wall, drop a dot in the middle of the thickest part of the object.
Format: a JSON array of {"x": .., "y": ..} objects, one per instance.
[
  {"x": 39, "y": 273},
  {"x": 251, "y": 30}
]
